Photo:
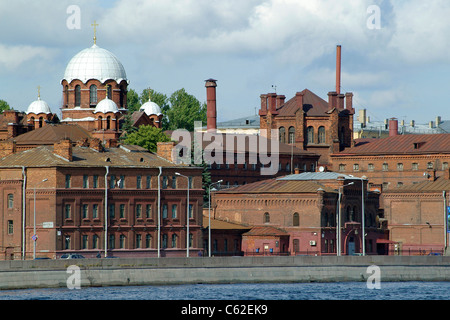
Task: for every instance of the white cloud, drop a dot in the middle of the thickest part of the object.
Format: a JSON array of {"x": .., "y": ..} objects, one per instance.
[{"x": 11, "y": 57}]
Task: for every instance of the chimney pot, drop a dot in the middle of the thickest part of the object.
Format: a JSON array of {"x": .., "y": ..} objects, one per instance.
[{"x": 393, "y": 127}]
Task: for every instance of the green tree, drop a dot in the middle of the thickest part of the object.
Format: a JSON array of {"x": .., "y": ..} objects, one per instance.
[
  {"x": 4, "y": 105},
  {"x": 147, "y": 137},
  {"x": 133, "y": 101},
  {"x": 184, "y": 110}
]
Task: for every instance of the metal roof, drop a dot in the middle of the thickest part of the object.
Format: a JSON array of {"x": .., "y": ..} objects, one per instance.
[
  {"x": 308, "y": 176},
  {"x": 52, "y": 133},
  {"x": 313, "y": 105}
]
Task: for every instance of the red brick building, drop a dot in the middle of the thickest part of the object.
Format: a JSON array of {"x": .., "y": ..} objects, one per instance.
[
  {"x": 76, "y": 185},
  {"x": 417, "y": 216},
  {"x": 297, "y": 214}
]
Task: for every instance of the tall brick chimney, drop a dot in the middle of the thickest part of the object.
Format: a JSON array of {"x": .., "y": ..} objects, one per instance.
[
  {"x": 7, "y": 147},
  {"x": 338, "y": 69},
  {"x": 165, "y": 149},
  {"x": 393, "y": 127},
  {"x": 211, "y": 107},
  {"x": 63, "y": 149}
]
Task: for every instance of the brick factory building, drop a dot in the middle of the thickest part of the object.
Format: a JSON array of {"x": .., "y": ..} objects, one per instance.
[
  {"x": 75, "y": 185},
  {"x": 297, "y": 214}
]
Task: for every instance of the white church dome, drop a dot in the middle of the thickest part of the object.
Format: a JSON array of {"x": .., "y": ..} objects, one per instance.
[
  {"x": 150, "y": 108},
  {"x": 39, "y": 106},
  {"x": 106, "y": 105},
  {"x": 95, "y": 63}
]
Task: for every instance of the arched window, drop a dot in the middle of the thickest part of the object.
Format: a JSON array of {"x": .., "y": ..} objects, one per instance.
[
  {"x": 109, "y": 92},
  {"x": 310, "y": 135},
  {"x": 291, "y": 135},
  {"x": 266, "y": 217},
  {"x": 282, "y": 134},
  {"x": 174, "y": 241},
  {"x": 41, "y": 122},
  {"x": 322, "y": 138},
  {"x": 93, "y": 94},
  {"x": 108, "y": 123},
  {"x": 296, "y": 220},
  {"x": 100, "y": 123},
  {"x": 77, "y": 96},
  {"x": 66, "y": 93},
  {"x": 122, "y": 97}
]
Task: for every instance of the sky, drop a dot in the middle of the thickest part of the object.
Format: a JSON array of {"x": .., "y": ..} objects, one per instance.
[{"x": 395, "y": 53}]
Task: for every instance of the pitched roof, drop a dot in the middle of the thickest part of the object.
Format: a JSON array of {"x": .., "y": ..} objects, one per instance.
[
  {"x": 401, "y": 144},
  {"x": 279, "y": 186},
  {"x": 439, "y": 185},
  {"x": 223, "y": 225},
  {"x": 123, "y": 156},
  {"x": 313, "y": 105},
  {"x": 265, "y": 231},
  {"x": 52, "y": 133}
]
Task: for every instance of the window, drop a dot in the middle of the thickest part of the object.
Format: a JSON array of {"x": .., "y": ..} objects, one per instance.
[
  {"x": 85, "y": 181},
  {"x": 291, "y": 135},
  {"x": 164, "y": 213},
  {"x": 10, "y": 201},
  {"x": 310, "y": 135},
  {"x": 191, "y": 211},
  {"x": 139, "y": 211},
  {"x": 445, "y": 166},
  {"x": 93, "y": 94},
  {"x": 174, "y": 182},
  {"x": 138, "y": 241},
  {"x": 266, "y": 217},
  {"x": 138, "y": 182},
  {"x": 371, "y": 167},
  {"x": 112, "y": 242},
  {"x": 282, "y": 133},
  {"x": 67, "y": 242},
  {"x": 164, "y": 241},
  {"x": 148, "y": 211},
  {"x": 66, "y": 90},
  {"x": 112, "y": 181},
  {"x": 430, "y": 165},
  {"x": 174, "y": 241},
  {"x": 95, "y": 211},
  {"x": 122, "y": 239},
  {"x": 112, "y": 210},
  {"x": 296, "y": 220},
  {"x": 109, "y": 92},
  {"x": 415, "y": 166},
  {"x": 322, "y": 135},
  {"x": 190, "y": 182},
  {"x": 341, "y": 167},
  {"x": 122, "y": 182},
  {"x": 84, "y": 242},
  {"x": 95, "y": 180},
  {"x": 84, "y": 211},
  {"x": 191, "y": 238},
  {"x": 149, "y": 180},
  {"x": 174, "y": 211},
  {"x": 10, "y": 227},
  {"x": 77, "y": 96},
  {"x": 400, "y": 166},
  {"x": 385, "y": 167},
  {"x": 68, "y": 180},
  {"x": 164, "y": 182},
  {"x": 356, "y": 167},
  {"x": 148, "y": 241},
  {"x": 67, "y": 211},
  {"x": 122, "y": 211},
  {"x": 95, "y": 242}
]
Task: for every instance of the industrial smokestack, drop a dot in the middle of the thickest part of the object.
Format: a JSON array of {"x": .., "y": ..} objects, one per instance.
[
  {"x": 338, "y": 69},
  {"x": 211, "y": 108}
]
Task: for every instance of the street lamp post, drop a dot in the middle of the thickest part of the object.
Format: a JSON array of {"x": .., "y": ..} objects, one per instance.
[
  {"x": 209, "y": 216},
  {"x": 187, "y": 214},
  {"x": 34, "y": 219},
  {"x": 338, "y": 221}
]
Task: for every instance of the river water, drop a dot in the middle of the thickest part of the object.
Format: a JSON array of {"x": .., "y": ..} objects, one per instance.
[{"x": 248, "y": 292}]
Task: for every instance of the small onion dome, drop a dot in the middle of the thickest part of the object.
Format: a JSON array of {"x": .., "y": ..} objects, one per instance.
[
  {"x": 150, "y": 108},
  {"x": 106, "y": 105},
  {"x": 39, "y": 106}
]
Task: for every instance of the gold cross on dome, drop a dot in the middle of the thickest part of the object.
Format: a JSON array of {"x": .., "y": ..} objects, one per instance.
[
  {"x": 39, "y": 91},
  {"x": 95, "y": 25}
]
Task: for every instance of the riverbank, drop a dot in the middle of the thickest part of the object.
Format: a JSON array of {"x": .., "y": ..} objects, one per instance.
[{"x": 170, "y": 271}]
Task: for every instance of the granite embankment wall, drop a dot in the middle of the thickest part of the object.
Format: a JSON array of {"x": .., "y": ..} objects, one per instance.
[{"x": 165, "y": 271}]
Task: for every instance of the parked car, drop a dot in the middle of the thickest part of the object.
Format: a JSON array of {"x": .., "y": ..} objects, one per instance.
[{"x": 72, "y": 256}]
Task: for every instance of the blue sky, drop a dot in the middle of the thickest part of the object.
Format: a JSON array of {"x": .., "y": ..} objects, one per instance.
[{"x": 399, "y": 70}]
